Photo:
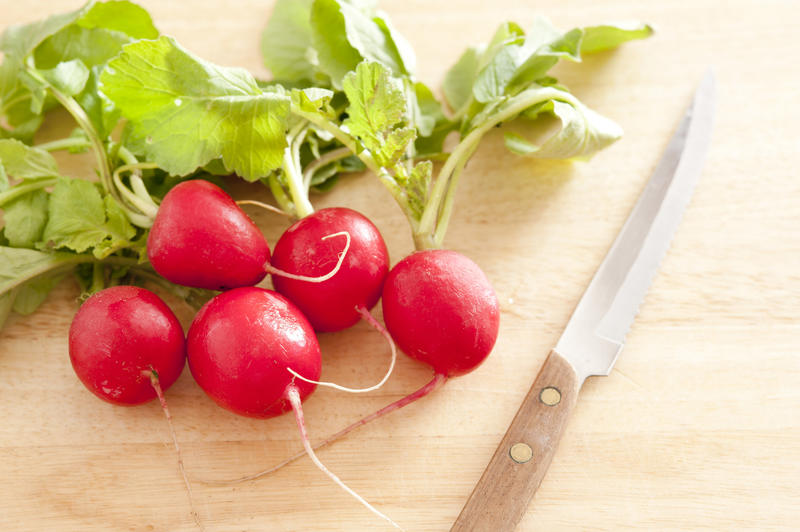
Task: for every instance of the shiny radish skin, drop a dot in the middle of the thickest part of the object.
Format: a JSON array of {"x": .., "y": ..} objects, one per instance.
[
  {"x": 441, "y": 309},
  {"x": 240, "y": 344},
  {"x": 118, "y": 337},
  {"x": 331, "y": 305},
  {"x": 202, "y": 238}
]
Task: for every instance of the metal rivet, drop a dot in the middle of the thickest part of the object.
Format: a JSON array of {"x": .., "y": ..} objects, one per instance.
[
  {"x": 550, "y": 396},
  {"x": 521, "y": 453}
]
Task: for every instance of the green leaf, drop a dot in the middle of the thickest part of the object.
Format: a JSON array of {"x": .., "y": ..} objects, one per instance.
[
  {"x": 6, "y": 304},
  {"x": 492, "y": 80},
  {"x": 459, "y": 79},
  {"x": 19, "y": 41},
  {"x": 77, "y": 216},
  {"x": 184, "y": 112},
  {"x": 93, "y": 46},
  {"x": 581, "y": 134},
  {"x": 377, "y": 105},
  {"x": 103, "y": 114},
  {"x": 607, "y": 36},
  {"x": 329, "y": 38},
  {"x": 122, "y": 16},
  {"x": 398, "y": 46},
  {"x": 417, "y": 187},
  {"x": 33, "y": 293},
  {"x": 394, "y": 146},
  {"x": 427, "y": 110},
  {"x": 24, "y": 162},
  {"x": 37, "y": 88},
  {"x": 15, "y": 97},
  {"x": 346, "y": 33},
  {"x": 80, "y": 219},
  {"x": 25, "y": 218},
  {"x": 68, "y": 78},
  {"x": 3, "y": 178},
  {"x": 119, "y": 230},
  {"x": 546, "y": 55},
  {"x": 313, "y": 100},
  {"x": 19, "y": 265},
  {"x": 286, "y": 41}
]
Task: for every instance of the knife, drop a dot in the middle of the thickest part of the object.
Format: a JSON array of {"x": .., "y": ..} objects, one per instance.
[{"x": 595, "y": 334}]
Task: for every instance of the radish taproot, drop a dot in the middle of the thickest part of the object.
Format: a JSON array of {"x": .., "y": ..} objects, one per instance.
[
  {"x": 201, "y": 238},
  {"x": 126, "y": 347},
  {"x": 240, "y": 347}
]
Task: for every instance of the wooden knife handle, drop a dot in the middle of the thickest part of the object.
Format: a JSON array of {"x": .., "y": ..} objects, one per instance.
[{"x": 503, "y": 493}]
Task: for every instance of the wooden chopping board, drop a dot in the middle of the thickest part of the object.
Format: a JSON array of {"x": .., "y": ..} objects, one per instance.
[{"x": 697, "y": 428}]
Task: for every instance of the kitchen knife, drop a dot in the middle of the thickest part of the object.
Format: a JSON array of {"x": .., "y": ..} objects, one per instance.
[{"x": 595, "y": 334}]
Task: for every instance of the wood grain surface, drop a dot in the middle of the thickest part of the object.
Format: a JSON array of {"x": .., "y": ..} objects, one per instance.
[{"x": 697, "y": 428}]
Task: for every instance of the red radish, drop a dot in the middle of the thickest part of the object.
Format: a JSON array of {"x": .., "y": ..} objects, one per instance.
[
  {"x": 202, "y": 238},
  {"x": 119, "y": 337},
  {"x": 127, "y": 347},
  {"x": 331, "y": 305},
  {"x": 441, "y": 309},
  {"x": 242, "y": 344}
]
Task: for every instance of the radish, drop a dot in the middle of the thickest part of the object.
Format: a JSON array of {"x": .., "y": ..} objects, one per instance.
[
  {"x": 441, "y": 310},
  {"x": 119, "y": 337},
  {"x": 240, "y": 347},
  {"x": 331, "y": 305},
  {"x": 200, "y": 237},
  {"x": 127, "y": 347}
]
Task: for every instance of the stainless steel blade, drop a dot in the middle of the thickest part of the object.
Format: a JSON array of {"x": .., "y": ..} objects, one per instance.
[{"x": 596, "y": 331}]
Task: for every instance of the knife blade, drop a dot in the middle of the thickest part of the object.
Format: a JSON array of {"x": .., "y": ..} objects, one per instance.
[{"x": 595, "y": 333}]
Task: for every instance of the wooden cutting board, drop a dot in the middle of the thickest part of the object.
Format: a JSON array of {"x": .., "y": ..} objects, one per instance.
[{"x": 697, "y": 428}]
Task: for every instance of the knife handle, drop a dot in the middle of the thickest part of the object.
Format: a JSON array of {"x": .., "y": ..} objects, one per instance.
[{"x": 503, "y": 493}]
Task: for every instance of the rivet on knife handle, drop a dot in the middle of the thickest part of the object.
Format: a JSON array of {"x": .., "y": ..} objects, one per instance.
[{"x": 525, "y": 452}]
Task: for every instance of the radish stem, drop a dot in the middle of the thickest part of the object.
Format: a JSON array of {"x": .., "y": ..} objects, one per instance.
[
  {"x": 163, "y": 400},
  {"x": 265, "y": 206},
  {"x": 433, "y": 384},
  {"x": 293, "y": 395},
  {"x": 366, "y": 316},
  {"x": 275, "y": 271}
]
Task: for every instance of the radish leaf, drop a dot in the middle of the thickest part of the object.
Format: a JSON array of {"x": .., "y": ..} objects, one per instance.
[{"x": 184, "y": 112}]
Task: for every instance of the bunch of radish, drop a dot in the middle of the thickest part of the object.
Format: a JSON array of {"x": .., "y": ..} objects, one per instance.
[{"x": 254, "y": 351}]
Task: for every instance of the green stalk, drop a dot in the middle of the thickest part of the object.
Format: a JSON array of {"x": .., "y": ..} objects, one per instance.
[
  {"x": 411, "y": 104},
  {"x": 68, "y": 260},
  {"x": 341, "y": 136},
  {"x": 280, "y": 195},
  {"x": 439, "y": 207},
  {"x": 98, "y": 278},
  {"x": 294, "y": 176},
  {"x": 447, "y": 208},
  {"x": 77, "y": 112},
  {"x": 64, "y": 144},
  {"x": 80, "y": 117},
  {"x": 19, "y": 190},
  {"x": 324, "y": 160},
  {"x": 14, "y": 101},
  {"x": 127, "y": 157}
]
